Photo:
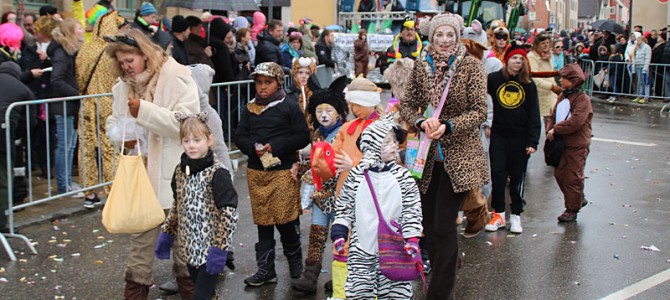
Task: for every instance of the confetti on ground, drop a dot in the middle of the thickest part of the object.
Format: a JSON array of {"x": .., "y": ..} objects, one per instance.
[
  {"x": 612, "y": 223},
  {"x": 23, "y": 260},
  {"x": 324, "y": 271},
  {"x": 2, "y": 270},
  {"x": 58, "y": 259},
  {"x": 61, "y": 245},
  {"x": 650, "y": 248},
  {"x": 535, "y": 235},
  {"x": 624, "y": 236},
  {"x": 573, "y": 242},
  {"x": 96, "y": 230},
  {"x": 52, "y": 241},
  {"x": 75, "y": 254},
  {"x": 56, "y": 288},
  {"x": 577, "y": 283},
  {"x": 53, "y": 271},
  {"x": 626, "y": 205},
  {"x": 23, "y": 279},
  {"x": 101, "y": 237},
  {"x": 66, "y": 241},
  {"x": 56, "y": 228},
  {"x": 3, "y": 279},
  {"x": 100, "y": 246},
  {"x": 616, "y": 256},
  {"x": 52, "y": 256},
  {"x": 100, "y": 262},
  {"x": 489, "y": 243},
  {"x": 511, "y": 235}
]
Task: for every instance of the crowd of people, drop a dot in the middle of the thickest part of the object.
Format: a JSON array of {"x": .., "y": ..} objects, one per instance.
[{"x": 476, "y": 100}]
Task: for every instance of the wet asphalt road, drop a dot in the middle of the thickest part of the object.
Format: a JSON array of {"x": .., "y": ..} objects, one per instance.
[{"x": 629, "y": 196}]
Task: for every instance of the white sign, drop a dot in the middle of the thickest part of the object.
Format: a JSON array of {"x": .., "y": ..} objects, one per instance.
[
  {"x": 531, "y": 16},
  {"x": 376, "y": 42}
]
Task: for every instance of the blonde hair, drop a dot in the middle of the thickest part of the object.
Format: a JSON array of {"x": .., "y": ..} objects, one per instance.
[
  {"x": 66, "y": 36},
  {"x": 135, "y": 42},
  {"x": 194, "y": 127}
]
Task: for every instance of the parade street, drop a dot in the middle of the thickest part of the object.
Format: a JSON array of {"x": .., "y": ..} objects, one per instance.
[{"x": 618, "y": 243}]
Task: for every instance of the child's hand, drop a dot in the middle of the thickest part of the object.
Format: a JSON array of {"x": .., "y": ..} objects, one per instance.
[
  {"x": 338, "y": 246},
  {"x": 294, "y": 171},
  {"x": 343, "y": 162},
  {"x": 134, "y": 107},
  {"x": 412, "y": 247},
  {"x": 163, "y": 246}
]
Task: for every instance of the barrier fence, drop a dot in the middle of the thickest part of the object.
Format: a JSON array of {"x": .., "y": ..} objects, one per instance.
[
  {"x": 31, "y": 138},
  {"x": 623, "y": 79}
]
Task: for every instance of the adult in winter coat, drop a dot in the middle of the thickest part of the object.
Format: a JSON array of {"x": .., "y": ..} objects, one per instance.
[
  {"x": 273, "y": 129},
  {"x": 221, "y": 58},
  {"x": 514, "y": 135},
  {"x": 456, "y": 163},
  {"x": 666, "y": 60},
  {"x": 68, "y": 37},
  {"x": 406, "y": 44},
  {"x": 361, "y": 54},
  {"x": 95, "y": 75},
  {"x": 571, "y": 120},
  {"x": 144, "y": 21},
  {"x": 605, "y": 40},
  {"x": 12, "y": 91},
  {"x": 657, "y": 71},
  {"x": 241, "y": 58},
  {"x": 539, "y": 58},
  {"x": 268, "y": 49},
  {"x": 641, "y": 59},
  {"x": 152, "y": 88},
  {"x": 324, "y": 48}
]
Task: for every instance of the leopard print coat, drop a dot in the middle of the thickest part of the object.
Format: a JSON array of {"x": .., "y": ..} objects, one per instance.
[
  {"x": 195, "y": 219},
  {"x": 465, "y": 108}
]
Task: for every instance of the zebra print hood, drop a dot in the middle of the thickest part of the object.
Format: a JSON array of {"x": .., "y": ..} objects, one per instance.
[{"x": 371, "y": 141}]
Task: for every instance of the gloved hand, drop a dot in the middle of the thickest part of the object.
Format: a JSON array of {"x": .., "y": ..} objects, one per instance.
[
  {"x": 230, "y": 261},
  {"x": 412, "y": 249},
  {"x": 449, "y": 129},
  {"x": 163, "y": 246},
  {"x": 216, "y": 260},
  {"x": 339, "y": 234}
]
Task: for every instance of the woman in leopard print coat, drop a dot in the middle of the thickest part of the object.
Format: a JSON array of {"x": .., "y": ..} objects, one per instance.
[{"x": 456, "y": 163}]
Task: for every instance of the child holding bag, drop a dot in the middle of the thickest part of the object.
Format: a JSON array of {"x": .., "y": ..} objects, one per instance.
[
  {"x": 204, "y": 214},
  {"x": 377, "y": 190}
]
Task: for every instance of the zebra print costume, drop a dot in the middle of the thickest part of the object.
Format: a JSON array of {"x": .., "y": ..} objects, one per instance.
[{"x": 399, "y": 200}]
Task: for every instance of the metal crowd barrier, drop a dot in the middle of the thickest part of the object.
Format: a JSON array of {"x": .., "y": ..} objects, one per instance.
[
  {"x": 228, "y": 99},
  {"x": 620, "y": 79}
]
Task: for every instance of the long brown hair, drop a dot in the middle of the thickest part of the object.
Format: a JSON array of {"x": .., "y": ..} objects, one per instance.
[
  {"x": 134, "y": 41},
  {"x": 66, "y": 36},
  {"x": 524, "y": 73}
]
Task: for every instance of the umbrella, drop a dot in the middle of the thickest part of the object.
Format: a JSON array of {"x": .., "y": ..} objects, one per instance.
[
  {"x": 226, "y": 5},
  {"x": 607, "y": 25}
]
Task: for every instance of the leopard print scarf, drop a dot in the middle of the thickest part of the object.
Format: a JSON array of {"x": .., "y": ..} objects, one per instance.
[{"x": 445, "y": 68}]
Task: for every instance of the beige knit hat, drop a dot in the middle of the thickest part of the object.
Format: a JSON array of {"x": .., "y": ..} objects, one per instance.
[
  {"x": 453, "y": 20},
  {"x": 363, "y": 92}
]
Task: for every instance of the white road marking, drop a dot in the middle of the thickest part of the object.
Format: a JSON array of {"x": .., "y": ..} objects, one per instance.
[
  {"x": 640, "y": 286},
  {"x": 624, "y": 142}
]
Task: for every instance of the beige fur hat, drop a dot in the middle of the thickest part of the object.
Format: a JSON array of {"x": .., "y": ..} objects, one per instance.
[
  {"x": 453, "y": 20},
  {"x": 363, "y": 92}
]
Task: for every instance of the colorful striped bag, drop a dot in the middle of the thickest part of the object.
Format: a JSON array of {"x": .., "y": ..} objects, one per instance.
[{"x": 394, "y": 263}]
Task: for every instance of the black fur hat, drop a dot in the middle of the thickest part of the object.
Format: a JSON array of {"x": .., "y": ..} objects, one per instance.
[{"x": 332, "y": 95}]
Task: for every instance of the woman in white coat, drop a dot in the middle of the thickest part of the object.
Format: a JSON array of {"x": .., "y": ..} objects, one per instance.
[{"x": 152, "y": 88}]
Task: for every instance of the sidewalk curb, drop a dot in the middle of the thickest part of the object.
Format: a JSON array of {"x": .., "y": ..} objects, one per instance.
[{"x": 623, "y": 101}]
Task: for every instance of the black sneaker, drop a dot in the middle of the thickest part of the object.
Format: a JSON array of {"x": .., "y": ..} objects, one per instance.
[{"x": 91, "y": 201}]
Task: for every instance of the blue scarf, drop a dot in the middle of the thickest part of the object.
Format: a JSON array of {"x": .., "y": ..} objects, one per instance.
[
  {"x": 557, "y": 61},
  {"x": 326, "y": 131}
]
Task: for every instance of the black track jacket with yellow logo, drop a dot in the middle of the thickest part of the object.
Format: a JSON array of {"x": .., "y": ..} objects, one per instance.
[{"x": 516, "y": 111}]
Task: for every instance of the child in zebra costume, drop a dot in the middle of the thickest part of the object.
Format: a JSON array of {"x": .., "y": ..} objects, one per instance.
[
  {"x": 327, "y": 110},
  {"x": 399, "y": 200},
  {"x": 204, "y": 215}
]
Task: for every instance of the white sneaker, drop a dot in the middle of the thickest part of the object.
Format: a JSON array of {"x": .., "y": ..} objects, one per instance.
[
  {"x": 78, "y": 195},
  {"x": 515, "y": 224},
  {"x": 497, "y": 222}
]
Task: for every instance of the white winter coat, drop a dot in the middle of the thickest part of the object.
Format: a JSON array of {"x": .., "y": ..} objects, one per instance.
[{"x": 175, "y": 92}]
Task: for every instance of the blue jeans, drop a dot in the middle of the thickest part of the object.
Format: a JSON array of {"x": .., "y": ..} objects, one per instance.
[
  {"x": 320, "y": 218},
  {"x": 67, "y": 141},
  {"x": 642, "y": 82}
]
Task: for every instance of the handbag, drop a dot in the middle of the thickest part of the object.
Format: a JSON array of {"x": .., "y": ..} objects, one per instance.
[
  {"x": 393, "y": 260},
  {"x": 601, "y": 78},
  {"x": 553, "y": 150},
  {"x": 417, "y": 148},
  {"x": 132, "y": 205}
]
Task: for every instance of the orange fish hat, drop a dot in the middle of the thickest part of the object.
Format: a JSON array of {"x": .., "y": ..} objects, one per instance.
[{"x": 322, "y": 169}]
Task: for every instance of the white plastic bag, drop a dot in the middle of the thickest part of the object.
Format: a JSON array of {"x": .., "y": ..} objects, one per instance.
[{"x": 133, "y": 132}]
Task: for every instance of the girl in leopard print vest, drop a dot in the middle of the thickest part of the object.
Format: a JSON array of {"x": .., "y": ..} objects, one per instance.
[{"x": 204, "y": 215}]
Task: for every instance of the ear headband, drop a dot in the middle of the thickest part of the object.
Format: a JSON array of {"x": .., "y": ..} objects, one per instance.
[{"x": 201, "y": 116}]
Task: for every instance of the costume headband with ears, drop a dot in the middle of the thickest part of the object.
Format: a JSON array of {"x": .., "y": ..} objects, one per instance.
[
  {"x": 338, "y": 85},
  {"x": 201, "y": 116},
  {"x": 304, "y": 62}
]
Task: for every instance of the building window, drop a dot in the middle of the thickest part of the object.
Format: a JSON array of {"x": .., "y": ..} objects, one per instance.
[
  {"x": 127, "y": 8},
  {"x": 33, "y": 5}
]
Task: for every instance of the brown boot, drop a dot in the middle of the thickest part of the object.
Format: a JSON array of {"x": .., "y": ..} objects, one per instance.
[
  {"x": 135, "y": 291},
  {"x": 186, "y": 287}
]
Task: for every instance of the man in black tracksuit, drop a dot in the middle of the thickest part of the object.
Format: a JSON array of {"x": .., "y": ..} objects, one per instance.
[{"x": 514, "y": 135}]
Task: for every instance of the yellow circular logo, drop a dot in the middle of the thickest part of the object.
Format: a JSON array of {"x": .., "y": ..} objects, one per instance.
[{"x": 511, "y": 95}]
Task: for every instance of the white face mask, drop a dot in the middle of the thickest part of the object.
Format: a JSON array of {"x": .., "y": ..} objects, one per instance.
[
  {"x": 389, "y": 149},
  {"x": 327, "y": 115}
]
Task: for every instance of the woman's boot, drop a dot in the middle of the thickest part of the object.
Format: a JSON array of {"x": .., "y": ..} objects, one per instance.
[
  {"x": 317, "y": 242},
  {"x": 265, "y": 260},
  {"x": 293, "y": 253}
]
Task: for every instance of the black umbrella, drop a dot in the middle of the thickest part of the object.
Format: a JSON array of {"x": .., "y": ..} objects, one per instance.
[{"x": 607, "y": 25}]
